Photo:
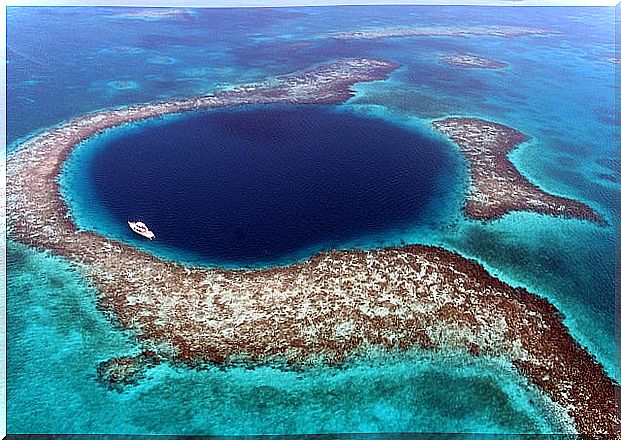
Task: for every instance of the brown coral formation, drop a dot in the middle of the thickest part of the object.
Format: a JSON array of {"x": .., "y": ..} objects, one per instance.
[
  {"x": 496, "y": 186},
  {"x": 466, "y": 61},
  {"x": 442, "y": 31},
  {"x": 335, "y": 305},
  {"x": 119, "y": 372}
]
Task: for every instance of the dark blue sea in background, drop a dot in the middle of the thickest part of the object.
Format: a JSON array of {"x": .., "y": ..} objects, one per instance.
[{"x": 273, "y": 185}]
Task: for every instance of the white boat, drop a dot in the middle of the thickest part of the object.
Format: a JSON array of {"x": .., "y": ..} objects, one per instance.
[{"x": 141, "y": 229}]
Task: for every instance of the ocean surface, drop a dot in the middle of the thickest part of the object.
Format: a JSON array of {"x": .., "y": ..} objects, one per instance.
[
  {"x": 261, "y": 186},
  {"x": 406, "y": 186}
]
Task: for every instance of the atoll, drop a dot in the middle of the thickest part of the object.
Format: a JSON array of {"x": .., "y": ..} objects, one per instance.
[{"x": 335, "y": 305}]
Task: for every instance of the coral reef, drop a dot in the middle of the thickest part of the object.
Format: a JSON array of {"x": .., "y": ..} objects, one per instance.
[
  {"x": 472, "y": 62},
  {"x": 335, "y": 305},
  {"x": 441, "y": 31},
  {"x": 496, "y": 186}
]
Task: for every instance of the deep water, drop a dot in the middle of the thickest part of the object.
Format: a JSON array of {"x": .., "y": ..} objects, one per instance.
[
  {"x": 559, "y": 90},
  {"x": 262, "y": 185}
]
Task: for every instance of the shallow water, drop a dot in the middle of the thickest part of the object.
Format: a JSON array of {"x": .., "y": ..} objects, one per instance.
[
  {"x": 412, "y": 391},
  {"x": 557, "y": 89}
]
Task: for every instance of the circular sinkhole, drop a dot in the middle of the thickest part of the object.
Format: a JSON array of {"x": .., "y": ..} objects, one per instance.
[{"x": 259, "y": 185}]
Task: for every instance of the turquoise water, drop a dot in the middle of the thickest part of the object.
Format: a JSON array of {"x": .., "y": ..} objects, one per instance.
[
  {"x": 559, "y": 90},
  {"x": 385, "y": 393}
]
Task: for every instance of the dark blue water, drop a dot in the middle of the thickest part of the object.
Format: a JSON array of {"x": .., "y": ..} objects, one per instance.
[
  {"x": 64, "y": 62},
  {"x": 252, "y": 186}
]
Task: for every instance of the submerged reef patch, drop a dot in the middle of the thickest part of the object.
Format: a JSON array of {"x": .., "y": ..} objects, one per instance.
[
  {"x": 118, "y": 372},
  {"x": 337, "y": 304},
  {"x": 442, "y": 31},
  {"x": 155, "y": 14},
  {"x": 467, "y": 61}
]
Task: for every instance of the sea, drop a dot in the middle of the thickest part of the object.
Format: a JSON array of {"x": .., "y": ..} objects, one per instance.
[{"x": 261, "y": 186}]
